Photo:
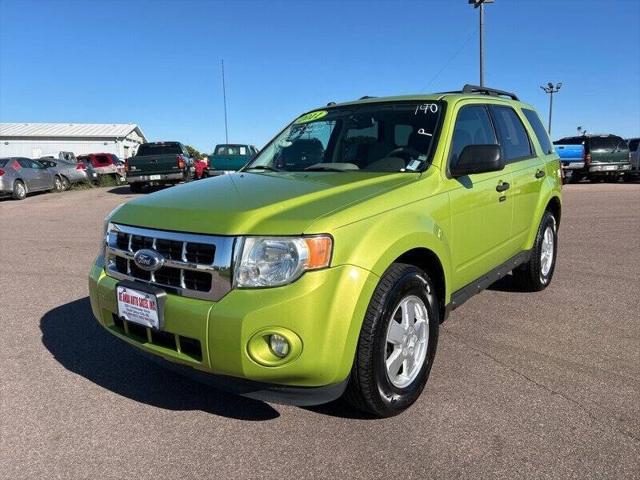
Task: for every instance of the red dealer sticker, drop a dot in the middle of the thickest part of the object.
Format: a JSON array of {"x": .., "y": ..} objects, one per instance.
[{"x": 138, "y": 307}]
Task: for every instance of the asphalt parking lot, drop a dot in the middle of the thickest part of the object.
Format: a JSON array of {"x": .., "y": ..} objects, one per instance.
[{"x": 540, "y": 385}]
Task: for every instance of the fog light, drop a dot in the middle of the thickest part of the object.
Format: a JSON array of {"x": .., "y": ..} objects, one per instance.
[{"x": 279, "y": 345}]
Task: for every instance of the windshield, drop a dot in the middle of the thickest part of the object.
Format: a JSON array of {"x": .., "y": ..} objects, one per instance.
[{"x": 384, "y": 137}]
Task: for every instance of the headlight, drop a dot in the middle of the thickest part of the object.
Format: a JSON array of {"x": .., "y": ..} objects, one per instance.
[
  {"x": 105, "y": 229},
  {"x": 275, "y": 261}
]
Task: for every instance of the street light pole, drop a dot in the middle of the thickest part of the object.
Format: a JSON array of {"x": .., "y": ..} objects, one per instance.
[
  {"x": 550, "y": 88},
  {"x": 224, "y": 99},
  {"x": 480, "y": 4}
]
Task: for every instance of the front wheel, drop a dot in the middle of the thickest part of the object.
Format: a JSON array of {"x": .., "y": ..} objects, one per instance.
[
  {"x": 536, "y": 274},
  {"x": 397, "y": 343}
]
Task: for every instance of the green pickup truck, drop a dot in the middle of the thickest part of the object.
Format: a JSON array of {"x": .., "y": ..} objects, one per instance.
[
  {"x": 325, "y": 266},
  {"x": 228, "y": 158},
  {"x": 159, "y": 163}
]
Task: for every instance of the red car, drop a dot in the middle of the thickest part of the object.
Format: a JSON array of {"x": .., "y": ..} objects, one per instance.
[{"x": 104, "y": 164}]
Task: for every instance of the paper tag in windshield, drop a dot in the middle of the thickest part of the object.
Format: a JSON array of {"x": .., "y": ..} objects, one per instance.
[{"x": 414, "y": 165}]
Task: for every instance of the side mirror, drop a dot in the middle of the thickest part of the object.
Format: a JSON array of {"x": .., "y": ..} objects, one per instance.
[{"x": 478, "y": 159}]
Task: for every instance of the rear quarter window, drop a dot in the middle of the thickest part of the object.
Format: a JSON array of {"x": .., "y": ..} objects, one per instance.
[{"x": 538, "y": 128}]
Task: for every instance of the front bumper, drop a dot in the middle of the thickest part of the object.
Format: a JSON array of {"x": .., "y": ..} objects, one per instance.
[
  {"x": 324, "y": 309},
  {"x": 161, "y": 177}
]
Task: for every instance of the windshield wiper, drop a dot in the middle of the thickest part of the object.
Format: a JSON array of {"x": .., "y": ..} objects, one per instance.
[
  {"x": 263, "y": 167},
  {"x": 325, "y": 169},
  {"x": 331, "y": 167}
]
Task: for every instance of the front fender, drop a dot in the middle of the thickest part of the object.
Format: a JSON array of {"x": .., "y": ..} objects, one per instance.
[{"x": 375, "y": 243}]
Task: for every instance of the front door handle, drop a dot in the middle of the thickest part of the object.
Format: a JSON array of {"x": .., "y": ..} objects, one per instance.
[
  {"x": 540, "y": 174},
  {"x": 502, "y": 187}
]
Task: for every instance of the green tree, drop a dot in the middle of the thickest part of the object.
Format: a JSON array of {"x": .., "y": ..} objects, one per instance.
[{"x": 195, "y": 154}]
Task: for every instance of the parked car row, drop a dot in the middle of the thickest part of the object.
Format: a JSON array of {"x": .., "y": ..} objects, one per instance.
[
  {"x": 20, "y": 176},
  {"x": 169, "y": 163},
  {"x": 598, "y": 156}
]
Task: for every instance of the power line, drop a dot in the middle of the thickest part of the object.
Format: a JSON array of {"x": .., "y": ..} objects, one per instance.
[{"x": 452, "y": 58}]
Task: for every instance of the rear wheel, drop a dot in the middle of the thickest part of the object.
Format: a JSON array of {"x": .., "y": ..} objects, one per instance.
[
  {"x": 536, "y": 274},
  {"x": 397, "y": 343},
  {"x": 66, "y": 184},
  {"x": 57, "y": 184},
  {"x": 19, "y": 190}
]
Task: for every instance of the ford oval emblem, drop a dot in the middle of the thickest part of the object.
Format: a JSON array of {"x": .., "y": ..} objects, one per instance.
[{"x": 148, "y": 260}]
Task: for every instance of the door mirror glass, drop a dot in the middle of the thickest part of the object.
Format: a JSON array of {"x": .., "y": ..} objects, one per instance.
[{"x": 478, "y": 159}]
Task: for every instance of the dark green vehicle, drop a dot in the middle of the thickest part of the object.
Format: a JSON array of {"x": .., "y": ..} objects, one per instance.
[
  {"x": 605, "y": 156},
  {"x": 230, "y": 158},
  {"x": 159, "y": 163}
]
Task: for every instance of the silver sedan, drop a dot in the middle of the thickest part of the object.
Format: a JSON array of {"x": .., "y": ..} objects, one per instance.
[
  {"x": 20, "y": 176},
  {"x": 66, "y": 173}
]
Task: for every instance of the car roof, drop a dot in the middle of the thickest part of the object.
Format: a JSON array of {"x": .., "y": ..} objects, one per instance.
[{"x": 468, "y": 92}]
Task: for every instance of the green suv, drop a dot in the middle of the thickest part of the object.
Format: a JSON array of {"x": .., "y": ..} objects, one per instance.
[{"x": 324, "y": 267}]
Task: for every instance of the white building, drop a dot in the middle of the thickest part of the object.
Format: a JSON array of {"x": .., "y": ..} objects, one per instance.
[{"x": 34, "y": 140}]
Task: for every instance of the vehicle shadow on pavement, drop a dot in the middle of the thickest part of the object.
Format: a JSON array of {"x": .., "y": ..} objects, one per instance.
[
  {"x": 506, "y": 284},
  {"x": 74, "y": 338},
  {"x": 125, "y": 190}
]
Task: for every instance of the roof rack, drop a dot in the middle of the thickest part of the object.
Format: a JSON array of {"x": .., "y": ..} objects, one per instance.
[
  {"x": 366, "y": 97},
  {"x": 488, "y": 91}
]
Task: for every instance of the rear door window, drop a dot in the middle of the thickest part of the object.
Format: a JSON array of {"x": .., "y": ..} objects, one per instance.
[
  {"x": 512, "y": 135},
  {"x": 539, "y": 130}
]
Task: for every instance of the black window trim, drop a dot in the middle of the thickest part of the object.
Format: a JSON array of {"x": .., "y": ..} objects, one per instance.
[
  {"x": 493, "y": 127},
  {"x": 533, "y": 153}
]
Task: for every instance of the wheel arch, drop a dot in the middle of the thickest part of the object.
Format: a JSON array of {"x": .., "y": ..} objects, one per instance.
[
  {"x": 553, "y": 203},
  {"x": 555, "y": 207},
  {"x": 427, "y": 260}
]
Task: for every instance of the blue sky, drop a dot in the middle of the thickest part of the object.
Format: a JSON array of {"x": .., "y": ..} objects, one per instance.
[{"x": 157, "y": 63}]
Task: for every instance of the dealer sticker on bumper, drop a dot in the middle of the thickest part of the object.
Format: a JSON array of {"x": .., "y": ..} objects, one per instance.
[{"x": 138, "y": 307}]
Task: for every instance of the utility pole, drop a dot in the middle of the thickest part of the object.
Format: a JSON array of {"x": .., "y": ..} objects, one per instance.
[
  {"x": 550, "y": 88},
  {"x": 480, "y": 4},
  {"x": 224, "y": 99}
]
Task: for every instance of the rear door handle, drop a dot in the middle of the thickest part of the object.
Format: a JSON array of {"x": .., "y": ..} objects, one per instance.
[
  {"x": 540, "y": 174},
  {"x": 502, "y": 187}
]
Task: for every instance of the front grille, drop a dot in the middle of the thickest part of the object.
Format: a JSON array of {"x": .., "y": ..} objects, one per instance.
[{"x": 197, "y": 266}]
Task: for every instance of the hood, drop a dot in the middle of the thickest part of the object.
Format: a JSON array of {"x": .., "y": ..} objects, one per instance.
[{"x": 256, "y": 203}]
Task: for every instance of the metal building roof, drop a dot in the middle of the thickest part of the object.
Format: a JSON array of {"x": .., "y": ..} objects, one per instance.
[{"x": 101, "y": 130}]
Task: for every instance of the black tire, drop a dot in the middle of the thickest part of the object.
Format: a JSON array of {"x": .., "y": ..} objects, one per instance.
[
  {"x": 57, "y": 184},
  {"x": 530, "y": 276},
  {"x": 136, "y": 187},
  {"x": 19, "y": 190},
  {"x": 66, "y": 184},
  {"x": 370, "y": 388}
]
